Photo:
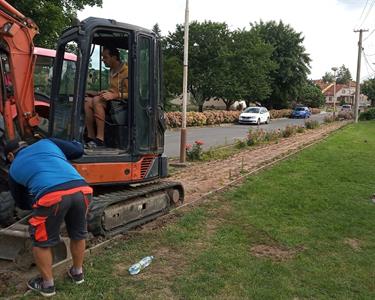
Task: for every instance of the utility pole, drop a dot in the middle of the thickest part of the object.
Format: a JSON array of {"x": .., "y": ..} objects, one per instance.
[
  {"x": 334, "y": 69},
  {"x": 358, "y": 78},
  {"x": 184, "y": 86}
]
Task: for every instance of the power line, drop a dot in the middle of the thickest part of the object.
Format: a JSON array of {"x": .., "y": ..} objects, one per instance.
[
  {"x": 367, "y": 62},
  {"x": 369, "y": 35},
  {"x": 364, "y": 8},
  {"x": 368, "y": 12}
]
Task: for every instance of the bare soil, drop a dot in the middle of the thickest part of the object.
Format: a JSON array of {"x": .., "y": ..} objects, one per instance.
[{"x": 275, "y": 253}]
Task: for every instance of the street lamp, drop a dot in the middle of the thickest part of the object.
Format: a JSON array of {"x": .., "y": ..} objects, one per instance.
[
  {"x": 184, "y": 86},
  {"x": 334, "y": 69}
]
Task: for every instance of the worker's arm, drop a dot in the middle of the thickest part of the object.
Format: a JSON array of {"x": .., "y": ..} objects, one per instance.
[
  {"x": 20, "y": 194},
  {"x": 71, "y": 149}
]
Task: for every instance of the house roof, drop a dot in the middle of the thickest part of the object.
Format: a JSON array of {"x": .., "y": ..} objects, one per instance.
[{"x": 328, "y": 88}]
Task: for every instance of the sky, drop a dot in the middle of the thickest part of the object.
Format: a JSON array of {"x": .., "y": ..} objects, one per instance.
[{"x": 327, "y": 25}]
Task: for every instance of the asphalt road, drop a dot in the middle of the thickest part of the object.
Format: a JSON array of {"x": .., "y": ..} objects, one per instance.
[{"x": 223, "y": 135}]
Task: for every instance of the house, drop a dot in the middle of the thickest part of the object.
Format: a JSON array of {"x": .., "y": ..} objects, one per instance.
[{"x": 341, "y": 94}]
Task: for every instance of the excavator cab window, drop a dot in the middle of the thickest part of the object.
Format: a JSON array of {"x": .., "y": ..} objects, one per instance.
[
  {"x": 64, "y": 104},
  {"x": 101, "y": 77},
  {"x": 43, "y": 77}
]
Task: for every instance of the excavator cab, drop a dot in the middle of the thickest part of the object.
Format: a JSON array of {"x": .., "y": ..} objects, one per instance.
[
  {"x": 125, "y": 172},
  {"x": 134, "y": 127}
]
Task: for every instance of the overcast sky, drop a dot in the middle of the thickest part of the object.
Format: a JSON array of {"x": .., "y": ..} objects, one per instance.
[{"x": 327, "y": 25}]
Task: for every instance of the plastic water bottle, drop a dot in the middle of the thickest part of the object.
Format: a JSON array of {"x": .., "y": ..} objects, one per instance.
[{"x": 143, "y": 263}]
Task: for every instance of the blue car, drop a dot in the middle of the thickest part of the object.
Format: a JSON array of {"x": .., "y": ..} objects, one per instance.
[{"x": 301, "y": 112}]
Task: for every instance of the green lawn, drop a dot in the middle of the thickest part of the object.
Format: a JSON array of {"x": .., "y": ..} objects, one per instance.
[{"x": 304, "y": 229}]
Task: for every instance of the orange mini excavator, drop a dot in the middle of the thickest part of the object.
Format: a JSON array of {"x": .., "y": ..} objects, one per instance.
[{"x": 126, "y": 173}]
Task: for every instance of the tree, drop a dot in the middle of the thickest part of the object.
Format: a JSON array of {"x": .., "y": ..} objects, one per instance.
[
  {"x": 245, "y": 69},
  {"x": 51, "y": 16},
  {"x": 172, "y": 80},
  {"x": 293, "y": 63},
  {"x": 368, "y": 88},
  {"x": 343, "y": 75},
  {"x": 311, "y": 95},
  {"x": 207, "y": 47},
  {"x": 156, "y": 30},
  {"x": 328, "y": 77}
]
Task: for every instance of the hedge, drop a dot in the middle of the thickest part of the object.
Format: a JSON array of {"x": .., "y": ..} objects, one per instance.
[{"x": 212, "y": 117}]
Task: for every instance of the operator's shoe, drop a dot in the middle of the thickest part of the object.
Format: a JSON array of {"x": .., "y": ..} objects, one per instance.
[
  {"x": 95, "y": 144},
  {"x": 77, "y": 278},
  {"x": 36, "y": 284}
]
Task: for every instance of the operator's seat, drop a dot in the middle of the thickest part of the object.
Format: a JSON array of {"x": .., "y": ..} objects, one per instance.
[{"x": 116, "y": 125}]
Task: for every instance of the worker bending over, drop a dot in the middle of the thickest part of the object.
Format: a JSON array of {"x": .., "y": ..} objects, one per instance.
[{"x": 42, "y": 179}]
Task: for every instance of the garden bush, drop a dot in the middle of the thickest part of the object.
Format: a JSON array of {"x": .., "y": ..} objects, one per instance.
[
  {"x": 280, "y": 113},
  {"x": 194, "y": 152},
  {"x": 289, "y": 131},
  {"x": 345, "y": 115},
  {"x": 311, "y": 124},
  {"x": 368, "y": 115},
  {"x": 328, "y": 119}
]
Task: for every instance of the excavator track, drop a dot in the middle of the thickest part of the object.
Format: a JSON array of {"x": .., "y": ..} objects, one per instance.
[{"x": 116, "y": 212}]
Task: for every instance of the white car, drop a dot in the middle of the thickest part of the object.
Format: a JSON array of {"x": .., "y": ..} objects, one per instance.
[
  {"x": 346, "y": 107},
  {"x": 254, "y": 115}
]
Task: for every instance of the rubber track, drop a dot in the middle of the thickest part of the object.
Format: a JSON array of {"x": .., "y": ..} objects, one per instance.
[{"x": 101, "y": 202}]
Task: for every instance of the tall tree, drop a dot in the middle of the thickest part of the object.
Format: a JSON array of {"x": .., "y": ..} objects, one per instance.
[
  {"x": 293, "y": 63},
  {"x": 51, "y": 16},
  {"x": 343, "y": 75},
  {"x": 368, "y": 88},
  {"x": 328, "y": 77},
  {"x": 311, "y": 95},
  {"x": 156, "y": 30},
  {"x": 245, "y": 69},
  {"x": 207, "y": 47}
]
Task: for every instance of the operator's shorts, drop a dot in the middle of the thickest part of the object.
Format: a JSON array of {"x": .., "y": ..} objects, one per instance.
[{"x": 52, "y": 209}]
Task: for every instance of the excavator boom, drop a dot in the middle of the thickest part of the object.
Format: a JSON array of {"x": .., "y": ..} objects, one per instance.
[{"x": 16, "y": 35}]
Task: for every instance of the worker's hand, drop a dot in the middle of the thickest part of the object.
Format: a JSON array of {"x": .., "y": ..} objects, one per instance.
[{"x": 107, "y": 96}]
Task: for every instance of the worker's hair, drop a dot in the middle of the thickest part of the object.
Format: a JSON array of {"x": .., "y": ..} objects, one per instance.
[
  {"x": 113, "y": 51},
  {"x": 14, "y": 146}
]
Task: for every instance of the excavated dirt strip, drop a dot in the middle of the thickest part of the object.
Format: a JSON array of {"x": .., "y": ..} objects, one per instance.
[{"x": 198, "y": 179}]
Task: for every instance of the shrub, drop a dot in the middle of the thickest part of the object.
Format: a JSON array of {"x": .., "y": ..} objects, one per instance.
[
  {"x": 289, "y": 130},
  {"x": 240, "y": 144},
  {"x": 345, "y": 115},
  {"x": 272, "y": 135},
  {"x": 328, "y": 119},
  {"x": 300, "y": 129},
  {"x": 315, "y": 111},
  {"x": 368, "y": 115},
  {"x": 280, "y": 113},
  {"x": 255, "y": 137},
  {"x": 195, "y": 152},
  {"x": 311, "y": 124}
]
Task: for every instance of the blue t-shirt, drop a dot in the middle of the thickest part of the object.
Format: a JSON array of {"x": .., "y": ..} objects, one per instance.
[{"x": 43, "y": 166}]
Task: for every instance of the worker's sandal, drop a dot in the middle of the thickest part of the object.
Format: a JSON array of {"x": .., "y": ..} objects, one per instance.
[
  {"x": 36, "y": 284},
  {"x": 77, "y": 278}
]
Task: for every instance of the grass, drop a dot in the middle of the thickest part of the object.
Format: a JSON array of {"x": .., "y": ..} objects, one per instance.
[{"x": 312, "y": 212}]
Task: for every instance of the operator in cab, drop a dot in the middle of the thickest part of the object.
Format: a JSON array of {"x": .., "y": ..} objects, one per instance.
[{"x": 95, "y": 105}]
